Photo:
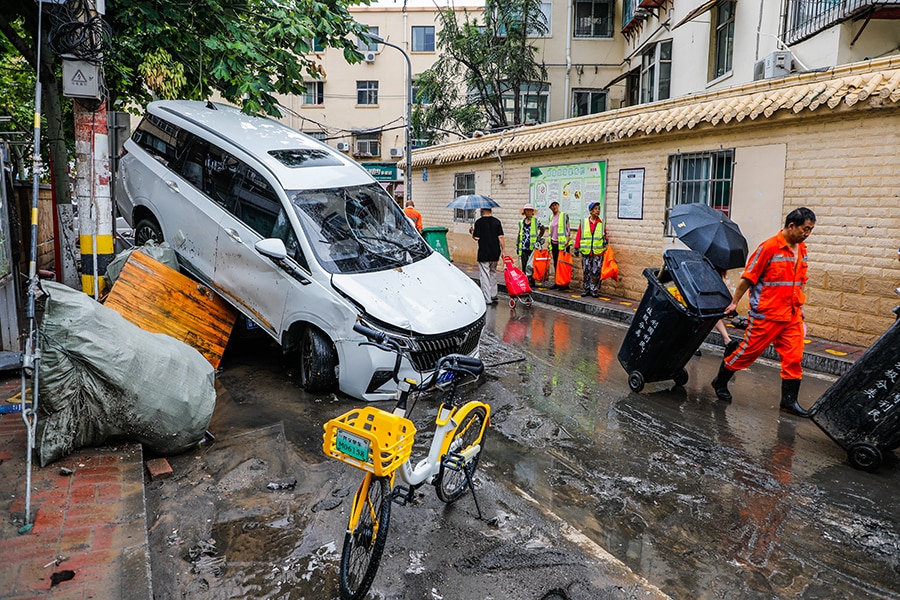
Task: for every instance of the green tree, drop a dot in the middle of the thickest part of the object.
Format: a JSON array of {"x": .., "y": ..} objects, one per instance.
[
  {"x": 484, "y": 63},
  {"x": 246, "y": 50}
]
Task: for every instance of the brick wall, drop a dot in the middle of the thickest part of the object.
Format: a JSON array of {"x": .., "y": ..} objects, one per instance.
[{"x": 843, "y": 164}]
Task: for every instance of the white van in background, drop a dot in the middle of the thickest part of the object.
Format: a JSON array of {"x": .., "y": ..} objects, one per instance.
[{"x": 297, "y": 237}]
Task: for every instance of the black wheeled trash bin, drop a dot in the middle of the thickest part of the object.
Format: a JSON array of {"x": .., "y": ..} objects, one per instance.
[
  {"x": 682, "y": 303},
  {"x": 861, "y": 410}
]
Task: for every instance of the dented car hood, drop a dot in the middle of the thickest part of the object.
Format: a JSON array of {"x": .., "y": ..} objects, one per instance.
[{"x": 430, "y": 296}]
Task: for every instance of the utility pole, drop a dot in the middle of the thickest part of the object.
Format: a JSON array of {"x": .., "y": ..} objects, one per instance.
[{"x": 82, "y": 80}]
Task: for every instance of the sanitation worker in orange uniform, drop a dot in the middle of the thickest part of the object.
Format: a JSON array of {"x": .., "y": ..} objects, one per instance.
[
  {"x": 774, "y": 275},
  {"x": 414, "y": 215}
]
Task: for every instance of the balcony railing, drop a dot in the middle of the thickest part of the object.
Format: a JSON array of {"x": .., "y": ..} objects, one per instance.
[{"x": 806, "y": 18}]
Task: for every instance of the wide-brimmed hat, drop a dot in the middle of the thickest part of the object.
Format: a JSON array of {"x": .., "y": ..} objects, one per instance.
[{"x": 527, "y": 207}]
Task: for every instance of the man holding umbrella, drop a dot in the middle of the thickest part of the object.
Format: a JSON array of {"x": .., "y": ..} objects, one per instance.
[
  {"x": 488, "y": 232},
  {"x": 775, "y": 274}
]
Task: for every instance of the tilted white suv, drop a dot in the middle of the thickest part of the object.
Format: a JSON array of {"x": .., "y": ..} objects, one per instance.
[{"x": 299, "y": 238}]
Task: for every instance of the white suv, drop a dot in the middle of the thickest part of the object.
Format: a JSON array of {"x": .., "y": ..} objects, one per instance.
[{"x": 299, "y": 238}]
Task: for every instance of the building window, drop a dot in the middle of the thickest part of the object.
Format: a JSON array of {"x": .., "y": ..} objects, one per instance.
[
  {"x": 423, "y": 39},
  {"x": 534, "y": 103},
  {"x": 463, "y": 184},
  {"x": 419, "y": 96},
  {"x": 700, "y": 177},
  {"x": 805, "y": 18},
  {"x": 724, "y": 44},
  {"x": 593, "y": 18},
  {"x": 366, "y": 92},
  {"x": 367, "y": 144},
  {"x": 315, "y": 45},
  {"x": 317, "y": 135},
  {"x": 314, "y": 94},
  {"x": 547, "y": 11},
  {"x": 364, "y": 47},
  {"x": 588, "y": 102},
  {"x": 656, "y": 72}
]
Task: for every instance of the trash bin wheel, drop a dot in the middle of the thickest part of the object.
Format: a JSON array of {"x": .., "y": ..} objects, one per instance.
[
  {"x": 681, "y": 377},
  {"x": 865, "y": 457},
  {"x": 636, "y": 381}
]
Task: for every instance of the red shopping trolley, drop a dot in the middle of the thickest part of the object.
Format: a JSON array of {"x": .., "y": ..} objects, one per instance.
[{"x": 516, "y": 284}]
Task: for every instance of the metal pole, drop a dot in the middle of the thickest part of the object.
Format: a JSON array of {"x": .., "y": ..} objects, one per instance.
[
  {"x": 409, "y": 103},
  {"x": 31, "y": 359}
]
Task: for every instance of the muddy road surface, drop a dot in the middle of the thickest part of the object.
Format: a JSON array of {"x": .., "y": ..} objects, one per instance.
[{"x": 588, "y": 489}]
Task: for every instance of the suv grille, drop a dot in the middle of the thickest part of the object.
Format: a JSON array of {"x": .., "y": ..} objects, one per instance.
[{"x": 425, "y": 350}]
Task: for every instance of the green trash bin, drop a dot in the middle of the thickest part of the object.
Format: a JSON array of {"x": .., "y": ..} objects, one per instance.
[{"x": 437, "y": 239}]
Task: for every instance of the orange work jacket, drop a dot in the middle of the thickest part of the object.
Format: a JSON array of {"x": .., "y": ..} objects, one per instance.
[{"x": 777, "y": 279}]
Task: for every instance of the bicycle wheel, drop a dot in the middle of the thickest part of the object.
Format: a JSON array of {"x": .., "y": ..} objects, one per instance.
[
  {"x": 450, "y": 483},
  {"x": 365, "y": 544}
]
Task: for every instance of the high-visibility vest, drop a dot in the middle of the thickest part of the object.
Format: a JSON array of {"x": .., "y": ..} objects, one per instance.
[
  {"x": 532, "y": 235},
  {"x": 562, "y": 229},
  {"x": 597, "y": 243}
]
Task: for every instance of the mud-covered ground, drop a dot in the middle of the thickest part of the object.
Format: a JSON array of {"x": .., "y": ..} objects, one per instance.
[
  {"x": 261, "y": 513},
  {"x": 583, "y": 484}
]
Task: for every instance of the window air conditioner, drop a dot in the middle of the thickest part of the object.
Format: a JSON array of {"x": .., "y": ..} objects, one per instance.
[
  {"x": 343, "y": 146},
  {"x": 396, "y": 152},
  {"x": 776, "y": 64},
  {"x": 369, "y": 56}
]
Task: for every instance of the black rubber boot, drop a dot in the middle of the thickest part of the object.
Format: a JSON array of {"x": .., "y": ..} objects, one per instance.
[
  {"x": 790, "y": 389},
  {"x": 720, "y": 383}
]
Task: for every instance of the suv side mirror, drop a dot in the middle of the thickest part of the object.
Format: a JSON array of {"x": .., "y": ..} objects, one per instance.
[{"x": 273, "y": 248}]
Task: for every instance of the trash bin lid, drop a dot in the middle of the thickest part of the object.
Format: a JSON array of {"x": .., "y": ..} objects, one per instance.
[
  {"x": 435, "y": 229},
  {"x": 700, "y": 284}
]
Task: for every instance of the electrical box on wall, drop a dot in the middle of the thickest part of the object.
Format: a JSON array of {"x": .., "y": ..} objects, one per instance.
[{"x": 81, "y": 79}]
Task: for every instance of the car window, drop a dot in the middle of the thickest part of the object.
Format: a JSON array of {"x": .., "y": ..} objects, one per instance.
[
  {"x": 160, "y": 138},
  {"x": 357, "y": 229}
]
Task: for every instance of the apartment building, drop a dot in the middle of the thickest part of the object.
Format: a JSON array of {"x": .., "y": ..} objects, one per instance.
[{"x": 679, "y": 47}]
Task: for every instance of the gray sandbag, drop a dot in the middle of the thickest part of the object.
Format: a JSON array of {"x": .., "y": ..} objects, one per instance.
[
  {"x": 160, "y": 252},
  {"x": 102, "y": 377}
]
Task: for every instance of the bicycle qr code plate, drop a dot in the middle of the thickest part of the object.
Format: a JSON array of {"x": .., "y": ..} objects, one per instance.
[{"x": 351, "y": 445}]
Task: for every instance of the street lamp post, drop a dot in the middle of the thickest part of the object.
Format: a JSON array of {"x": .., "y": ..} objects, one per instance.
[{"x": 409, "y": 91}]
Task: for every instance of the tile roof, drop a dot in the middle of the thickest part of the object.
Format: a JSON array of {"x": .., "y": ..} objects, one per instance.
[{"x": 875, "y": 83}]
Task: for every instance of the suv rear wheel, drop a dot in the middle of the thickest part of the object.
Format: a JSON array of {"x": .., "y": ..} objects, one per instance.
[
  {"x": 318, "y": 361},
  {"x": 146, "y": 230}
]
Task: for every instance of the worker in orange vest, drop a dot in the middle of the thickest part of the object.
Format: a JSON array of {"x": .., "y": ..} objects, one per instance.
[
  {"x": 774, "y": 275},
  {"x": 414, "y": 215}
]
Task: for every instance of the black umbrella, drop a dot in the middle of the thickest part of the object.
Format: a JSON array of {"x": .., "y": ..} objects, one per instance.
[{"x": 708, "y": 231}]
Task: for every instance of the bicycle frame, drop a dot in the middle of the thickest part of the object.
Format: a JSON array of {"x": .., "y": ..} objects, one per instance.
[{"x": 446, "y": 422}]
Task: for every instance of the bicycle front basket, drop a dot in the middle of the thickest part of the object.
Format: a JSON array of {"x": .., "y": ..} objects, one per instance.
[{"x": 370, "y": 439}]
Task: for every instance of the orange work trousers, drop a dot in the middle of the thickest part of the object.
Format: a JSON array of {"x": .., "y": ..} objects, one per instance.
[{"x": 786, "y": 336}]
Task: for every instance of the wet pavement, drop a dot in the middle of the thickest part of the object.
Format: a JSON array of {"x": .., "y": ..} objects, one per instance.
[
  {"x": 594, "y": 491},
  {"x": 704, "y": 499}
]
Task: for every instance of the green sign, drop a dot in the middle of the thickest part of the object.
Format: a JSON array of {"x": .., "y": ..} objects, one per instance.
[
  {"x": 573, "y": 186},
  {"x": 381, "y": 171}
]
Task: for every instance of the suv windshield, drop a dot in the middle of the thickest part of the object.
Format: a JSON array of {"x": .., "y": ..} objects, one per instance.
[{"x": 357, "y": 229}]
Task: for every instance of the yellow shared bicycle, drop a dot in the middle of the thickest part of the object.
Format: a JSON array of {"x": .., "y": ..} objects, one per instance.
[{"x": 380, "y": 443}]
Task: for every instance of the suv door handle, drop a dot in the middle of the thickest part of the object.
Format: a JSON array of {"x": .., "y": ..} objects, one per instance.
[
  {"x": 233, "y": 234},
  {"x": 172, "y": 186}
]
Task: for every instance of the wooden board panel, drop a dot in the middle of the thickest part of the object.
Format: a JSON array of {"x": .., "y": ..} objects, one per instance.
[{"x": 159, "y": 299}]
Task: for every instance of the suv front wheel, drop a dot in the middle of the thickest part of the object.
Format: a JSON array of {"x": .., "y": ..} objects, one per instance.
[
  {"x": 318, "y": 362},
  {"x": 146, "y": 230}
]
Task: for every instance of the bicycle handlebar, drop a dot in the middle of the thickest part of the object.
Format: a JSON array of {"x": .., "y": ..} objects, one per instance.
[{"x": 458, "y": 363}]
